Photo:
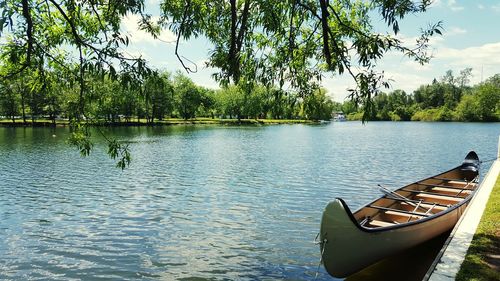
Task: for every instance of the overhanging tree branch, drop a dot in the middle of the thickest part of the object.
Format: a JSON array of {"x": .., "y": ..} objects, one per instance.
[{"x": 180, "y": 32}]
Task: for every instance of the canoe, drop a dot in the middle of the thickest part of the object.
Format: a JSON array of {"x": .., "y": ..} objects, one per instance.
[{"x": 398, "y": 220}]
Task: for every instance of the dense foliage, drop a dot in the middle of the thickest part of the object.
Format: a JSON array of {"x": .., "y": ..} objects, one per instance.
[
  {"x": 269, "y": 42},
  {"x": 161, "y": 96},
  {"x": 449, "y": 99}
]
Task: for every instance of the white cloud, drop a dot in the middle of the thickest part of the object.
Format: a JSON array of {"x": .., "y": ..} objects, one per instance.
[
  {"x": 455, "y": 31},
  {"x": 131, "y": 27},
  {"x": 496, "y": 7},
  {"x": 477, "y": 55},
  {"x": 456, "y": 8},
  {"x": 409, "y": 75},
  {"x": 480, "y": 7},
  {"x": 436, "y": 40},
  {"x": 452, "y": 4},
  {"x": 415, "y": 66}
]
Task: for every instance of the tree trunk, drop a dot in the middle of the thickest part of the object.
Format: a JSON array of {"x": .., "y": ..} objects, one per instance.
[
  {"x": 324, "y": 24},
  {"x": 153, "y": 112},
  {"x": 23, "y": 106}
]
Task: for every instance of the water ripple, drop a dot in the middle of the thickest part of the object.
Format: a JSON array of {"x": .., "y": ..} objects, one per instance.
[{"x": 202, "y": 202}]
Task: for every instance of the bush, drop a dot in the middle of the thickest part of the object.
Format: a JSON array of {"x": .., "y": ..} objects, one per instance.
[
  {"x": 444, "y": 114},
  {"x": 468, "y": 109},
  {"x": 425, "y": 115},
  {"x": 355, "y": 116},
  {"x": 395, "y": 117}
]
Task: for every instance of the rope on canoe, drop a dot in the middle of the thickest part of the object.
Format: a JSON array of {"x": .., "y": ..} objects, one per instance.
[
  {"x": 489, "y": 160},
  {"x": 321, "y": 243}
]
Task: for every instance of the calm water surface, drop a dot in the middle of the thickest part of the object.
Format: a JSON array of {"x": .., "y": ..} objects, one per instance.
[{"x": 203, "y": 202}]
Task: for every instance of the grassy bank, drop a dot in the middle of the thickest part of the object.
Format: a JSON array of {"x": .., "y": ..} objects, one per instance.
[
  {"x": 169, "y": 121},
  {"x": 482, "y": 261}
]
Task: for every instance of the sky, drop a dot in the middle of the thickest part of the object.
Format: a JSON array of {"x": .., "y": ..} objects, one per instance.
[{"x": 471, "y": 38}]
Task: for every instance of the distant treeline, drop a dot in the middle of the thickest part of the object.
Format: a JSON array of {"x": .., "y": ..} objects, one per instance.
[
  {"x": 161, "y": 95},
  {"x": 447, "y": 99}
]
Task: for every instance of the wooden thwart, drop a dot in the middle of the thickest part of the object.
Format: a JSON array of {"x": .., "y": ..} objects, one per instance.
[
  {"x": 440, "y": 198},
  {"x": 424, "y": 203},
  {"x": 398, "y": 211},
  {"x": 431, "y": 205},
  {"x": 429, "y": 193},
  {"x": 377, "y": 223},
  {"x": 452, "y": 191},
  {"x": 447, "y": 179},
  {"x": 443, "y": 186}
]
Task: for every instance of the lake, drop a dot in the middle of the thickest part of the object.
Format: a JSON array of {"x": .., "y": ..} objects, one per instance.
[{"x": 204, "y": 202}]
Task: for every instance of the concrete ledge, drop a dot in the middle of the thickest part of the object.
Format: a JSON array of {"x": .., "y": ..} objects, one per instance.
[{"x": 449, "y": 260}]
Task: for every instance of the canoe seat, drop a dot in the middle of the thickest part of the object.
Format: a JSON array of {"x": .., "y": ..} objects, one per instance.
[
  {"x": 443, "y": 199},
  {"x": 436, "y": 207},
  {"x": 451, "y": 191},
  {"x": 377, "y": 223},
  {"x": 449, "y": 179},
  {"x": 399, "y": 211},
  {"x": 401, "y": 214},
  {"x": 461, "y": 182},
  {"x": 407, "y": 201},
  {"x": 461, "y": 187}
]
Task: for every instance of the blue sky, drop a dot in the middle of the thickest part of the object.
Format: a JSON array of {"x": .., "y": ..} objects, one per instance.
[{"x": 471, "y": 38}]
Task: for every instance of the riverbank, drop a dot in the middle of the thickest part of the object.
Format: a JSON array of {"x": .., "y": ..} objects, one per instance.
[
  {"x": 467, "y": 237},
  {"x": 164, "y": 122},
  {"x": 424, "y": 116},
  {"x": 482, "y": 261}
]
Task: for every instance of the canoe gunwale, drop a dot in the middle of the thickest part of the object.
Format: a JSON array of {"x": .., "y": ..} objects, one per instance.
[
  {"x": 451, "y": 208},
  {"x": 348, "y": 246}
]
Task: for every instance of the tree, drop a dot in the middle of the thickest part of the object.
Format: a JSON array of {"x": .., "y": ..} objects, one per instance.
[
  {"x": 230, "y": 101},
  {"x": 53, "y": 98},
  {"x": 187, "y": 96},
  {"x": 488, "y": 98},
  {"x": 277, "y": 102},
  {"x": 464, "y": 78},
  {"x": 8, "y": 102},
  {"x": 88, "y": 32},
  {"x": 468, "y": 109},
  {"x": 254, "y": 98},
  {"x": 297, "y": 40},
  {"x": 349, "y": 107},
  {"x": 208, "y": 103},
  {"x": 430, "y": 95},
  {"x": 318, "y": 106},
  {"x": 158, "y": 92}
]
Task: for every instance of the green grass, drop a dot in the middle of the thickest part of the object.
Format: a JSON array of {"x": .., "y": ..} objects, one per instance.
[
  {"x": 482, "y": 261},
  {"x": 19, "y": 122},
  {"x": 167, "y": 121},
  {"x": 207, "y": 120}
]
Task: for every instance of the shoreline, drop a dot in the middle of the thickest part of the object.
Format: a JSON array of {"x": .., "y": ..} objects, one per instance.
[{"x": 165, "y": 122}]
